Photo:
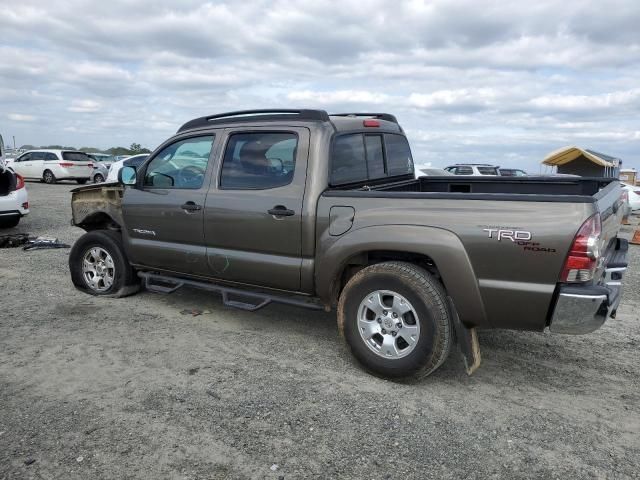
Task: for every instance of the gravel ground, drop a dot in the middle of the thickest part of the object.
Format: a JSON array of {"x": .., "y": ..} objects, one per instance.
[{"x": 132, "y": 388}]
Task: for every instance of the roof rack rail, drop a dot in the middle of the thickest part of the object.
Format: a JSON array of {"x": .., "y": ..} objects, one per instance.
[
  {"x": 382, "y": 116},
  {"x": 262, "y": 115}
]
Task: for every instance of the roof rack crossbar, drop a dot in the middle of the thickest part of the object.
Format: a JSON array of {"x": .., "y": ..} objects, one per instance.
[
  {"x": 262, "y": 114},
  {"x": 382, "y": 116}
]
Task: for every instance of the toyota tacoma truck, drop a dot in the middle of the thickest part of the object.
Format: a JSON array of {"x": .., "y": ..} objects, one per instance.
[{"x": 323, "y": 211}]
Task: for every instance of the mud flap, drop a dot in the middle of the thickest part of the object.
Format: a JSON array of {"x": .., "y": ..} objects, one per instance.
[{"x": 467, "y": 339}]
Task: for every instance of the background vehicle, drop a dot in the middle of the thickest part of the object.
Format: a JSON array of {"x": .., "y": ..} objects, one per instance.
[
  {"x": 14, "y": 202},
  {"x": 132, "y": 161},
  {"x": 319, "y": 211},
  {"x": 633, "y": 193},
  {"x": 101, "y": 164},
  {"x": 53, "y": 165},
  {"x": 431, "y": 172},
  {"x": 513, "y": 172},
  {"x": 476, "y": 169}
]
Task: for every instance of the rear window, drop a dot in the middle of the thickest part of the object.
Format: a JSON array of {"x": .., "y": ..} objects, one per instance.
[
  {"x": 399, "y": 161},
  {"x": 488, "y": 170},
  {"x": 464, "y": 171},
  {"x": 76, "y": 156},
  {"x": 358, "y": 157}
]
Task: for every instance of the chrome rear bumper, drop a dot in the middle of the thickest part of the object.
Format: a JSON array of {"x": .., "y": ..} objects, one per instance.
[{"x": 582, "y": 309}]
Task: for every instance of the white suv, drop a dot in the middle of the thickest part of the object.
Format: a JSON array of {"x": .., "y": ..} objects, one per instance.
[
  {"x": 475, "y": 169},
  {"x": 53, "y": 165}
]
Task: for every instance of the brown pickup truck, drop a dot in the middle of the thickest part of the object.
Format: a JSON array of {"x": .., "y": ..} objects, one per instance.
[{"x": 323, "y": 211}]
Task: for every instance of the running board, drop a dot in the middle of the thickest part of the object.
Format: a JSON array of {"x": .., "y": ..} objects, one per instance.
[{"x": 157, "y": 283}]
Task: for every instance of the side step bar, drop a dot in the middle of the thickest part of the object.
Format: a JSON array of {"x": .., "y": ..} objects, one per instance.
[{"x": 157, "y": 283}]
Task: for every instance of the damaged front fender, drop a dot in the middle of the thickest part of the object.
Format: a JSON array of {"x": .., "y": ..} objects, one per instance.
[{"x": 96, "y": 205}]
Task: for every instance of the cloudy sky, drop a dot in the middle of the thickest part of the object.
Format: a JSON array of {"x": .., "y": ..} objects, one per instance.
[{"x": 499, "y": 82}]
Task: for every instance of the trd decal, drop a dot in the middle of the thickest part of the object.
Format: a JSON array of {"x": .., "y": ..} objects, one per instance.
[
  {"x": 144, "y": 232},
  {"x": 504, "y": 234}
]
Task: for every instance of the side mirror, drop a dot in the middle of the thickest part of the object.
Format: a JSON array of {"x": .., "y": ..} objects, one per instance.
[{"x": 127, "y": 175}]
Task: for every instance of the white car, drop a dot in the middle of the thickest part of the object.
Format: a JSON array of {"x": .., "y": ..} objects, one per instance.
[
  {"x": 132, "y": 161},
  {"x": 50, "y": 166},
  {"x": 634, "y": 196},
  {"x": 475, "y": 169},
  {"x": 14, "y": 201}
]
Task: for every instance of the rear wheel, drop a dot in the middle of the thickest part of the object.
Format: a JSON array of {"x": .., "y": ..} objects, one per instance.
[
  {"x": 9, "y": 222},
  {"x": 48, "y": 177},
  {"x": 98, "y": 178},
  {"x": 99, "y": 266},
  {"x": 395, "y": 319}
]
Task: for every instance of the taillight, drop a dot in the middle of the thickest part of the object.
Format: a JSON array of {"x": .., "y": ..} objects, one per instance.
[
  {"x": 19, "y": 182},
  {"x": 66, "y": 164},
  {"x": 582, "y": 260},
  {"x": 90, "y": 165},
  {"x": 625, "y": 196},
  {"x": 637, "y": 192},
  {"x": 371, "y": 123}
]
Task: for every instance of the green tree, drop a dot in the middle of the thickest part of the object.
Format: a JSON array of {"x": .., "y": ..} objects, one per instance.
[{"x": 135, "y": 148}]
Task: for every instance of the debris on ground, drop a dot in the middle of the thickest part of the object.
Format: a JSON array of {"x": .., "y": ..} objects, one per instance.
[
  {"x": 30, "y": 461},
  {"x": 14, "y": 240},
  {"x": 28, "y": 242},
  {"x": 194, "y": 312}
]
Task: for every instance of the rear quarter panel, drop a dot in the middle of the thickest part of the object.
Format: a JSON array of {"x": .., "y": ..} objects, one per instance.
[{"x": 508, "y": 284}]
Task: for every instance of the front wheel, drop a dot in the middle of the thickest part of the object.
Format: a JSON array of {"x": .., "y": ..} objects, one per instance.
[
  {"x": 394, "y": 317},
  {"x": 99, "y": 266}
]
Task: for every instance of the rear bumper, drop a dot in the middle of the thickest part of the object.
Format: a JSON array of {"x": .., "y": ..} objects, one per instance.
[{"x": 583, "y": 309}]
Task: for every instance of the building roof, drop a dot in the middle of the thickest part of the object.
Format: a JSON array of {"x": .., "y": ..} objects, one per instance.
[{"x": 569, "y": 154}]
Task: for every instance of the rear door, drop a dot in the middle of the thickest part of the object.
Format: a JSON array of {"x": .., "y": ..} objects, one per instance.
[
  {"x": 253, "y": 220},
  {"x": 163, "y": 213}
]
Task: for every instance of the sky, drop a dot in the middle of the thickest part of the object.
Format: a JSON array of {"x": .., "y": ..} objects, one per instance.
[{"x": 500, "y": 82}]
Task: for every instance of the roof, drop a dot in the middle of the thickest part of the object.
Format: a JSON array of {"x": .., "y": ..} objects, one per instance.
[{"x": 568, "y": 154}]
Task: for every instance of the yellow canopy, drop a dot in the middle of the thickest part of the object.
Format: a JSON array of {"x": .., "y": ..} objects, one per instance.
[{"x": 569, "y": 154}]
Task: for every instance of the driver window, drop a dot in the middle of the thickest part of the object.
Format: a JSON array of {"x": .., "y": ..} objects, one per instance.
[
  {"x": 259, "y": 160},
  {"x": 180, "y": 165}
]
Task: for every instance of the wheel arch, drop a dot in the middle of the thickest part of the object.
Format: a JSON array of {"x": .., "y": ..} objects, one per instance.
[
  {"x": 99, "y": 220},
  {"x": 437, "y": 250}
]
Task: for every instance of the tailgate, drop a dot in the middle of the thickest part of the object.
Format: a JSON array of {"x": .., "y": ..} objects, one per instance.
[
  {"x": 78, "y": 164},
  {"x": 610, "y": 206}
]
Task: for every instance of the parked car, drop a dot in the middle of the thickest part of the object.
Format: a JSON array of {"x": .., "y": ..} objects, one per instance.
[
  {"x": 101, "y": 164},
  {"x": 323, "y": 211},
  {"x": 132, "y": 161},
  {"x": 431, "y": 172},
  {"x": 513, "y": 172},
  {"x": 475, "y": 169},
  {"x": 633, "y": 192},
  {"x": 14, "y": 200},
  {"x": 50, "y": 166}
]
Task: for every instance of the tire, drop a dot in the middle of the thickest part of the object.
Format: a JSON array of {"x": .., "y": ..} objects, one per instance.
[
  {"x": 82, "y": 181},
  {"x": 113, "y": 279},
  {"x": 98, "y": 178},
  {"x": 48, "y": 177},
  {"x": 396, "y": 287},
  {"x": 9, "y": 222}
]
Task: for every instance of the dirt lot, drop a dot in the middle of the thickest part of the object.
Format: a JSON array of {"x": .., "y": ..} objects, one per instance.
[{"x": 133, "y": 388}]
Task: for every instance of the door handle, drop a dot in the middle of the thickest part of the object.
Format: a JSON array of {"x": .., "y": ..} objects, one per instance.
[
  {"x": 191, "y": 207},
  {"x": 280, "y": 211}
]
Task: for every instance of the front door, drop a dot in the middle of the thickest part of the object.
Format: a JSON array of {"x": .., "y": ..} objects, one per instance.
[
  {"x": 22, "y": 165},
  {"x": 164, "y": 212},
  {"x": 252, "y": 223}
]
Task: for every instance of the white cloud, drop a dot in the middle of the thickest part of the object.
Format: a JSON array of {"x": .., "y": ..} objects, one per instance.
[
  {"x": 20, "y": 117},
  {"x": 484, "y": 81},
  {"x": 84, "y": 106}
]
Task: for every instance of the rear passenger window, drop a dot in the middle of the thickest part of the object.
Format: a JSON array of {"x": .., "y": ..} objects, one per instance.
[
  {"x": 76, "y": 156},
  {"x": 488, "y": 170},
  {"x": 348, "y": 161},
  {"x": 464, "y": 171},
  {"x": 259, "y": 160},
  {"x": 375, "y": 156},
  {"x": 399, "y": 161},
  {"x": 50, "y": 156}
]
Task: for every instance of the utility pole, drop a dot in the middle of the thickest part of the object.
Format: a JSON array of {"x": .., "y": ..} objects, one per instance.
[{"x": 14, "y": 142}]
